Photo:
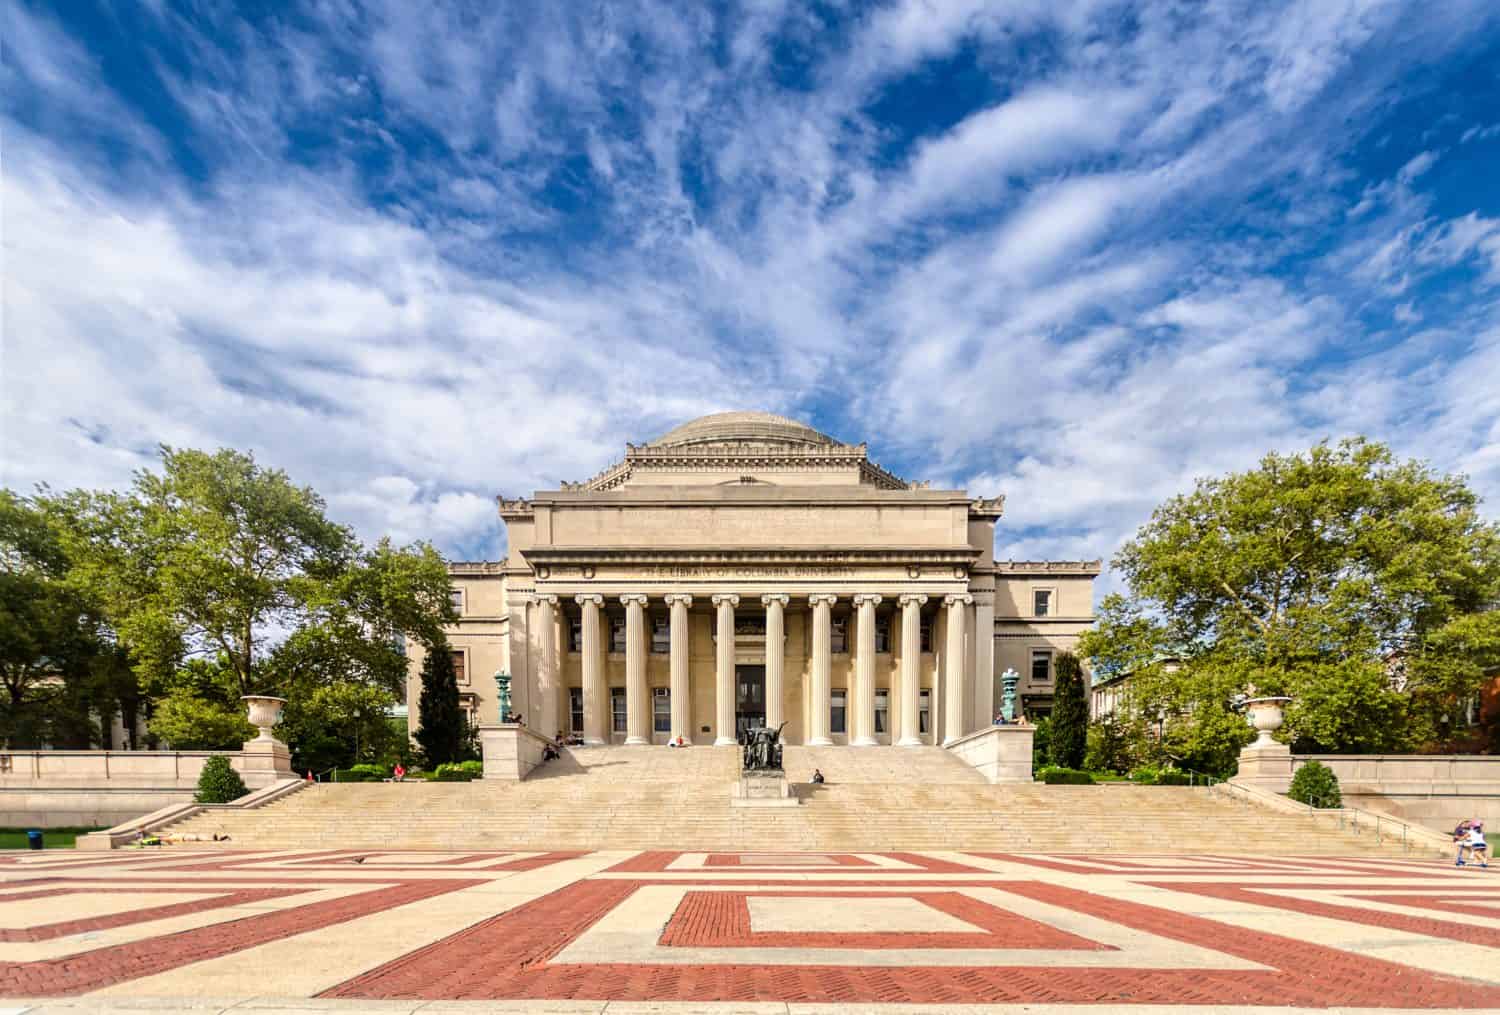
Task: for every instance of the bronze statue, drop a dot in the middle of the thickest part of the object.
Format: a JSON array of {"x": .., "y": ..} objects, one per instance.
[{"x": 762, "y": 749}]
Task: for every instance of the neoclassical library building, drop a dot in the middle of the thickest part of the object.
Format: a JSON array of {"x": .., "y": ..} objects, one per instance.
[{"x": 743, "y": 569}]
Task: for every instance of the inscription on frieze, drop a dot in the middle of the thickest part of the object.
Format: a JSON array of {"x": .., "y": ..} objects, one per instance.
[{"x": 745, "y": 571}]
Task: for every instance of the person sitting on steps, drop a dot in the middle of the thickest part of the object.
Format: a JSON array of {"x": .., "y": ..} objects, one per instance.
[{"x": 817, "y": 777}]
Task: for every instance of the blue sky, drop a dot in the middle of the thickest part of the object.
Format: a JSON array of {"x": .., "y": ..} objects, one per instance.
[{"x": 419, "y": 254}]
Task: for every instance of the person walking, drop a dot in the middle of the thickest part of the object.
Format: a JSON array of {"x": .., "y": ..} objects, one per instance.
[{"x": 1461, "y": 837}]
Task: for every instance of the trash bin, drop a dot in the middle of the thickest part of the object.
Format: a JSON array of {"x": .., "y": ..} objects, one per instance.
[{"x": 34, "y": 838}]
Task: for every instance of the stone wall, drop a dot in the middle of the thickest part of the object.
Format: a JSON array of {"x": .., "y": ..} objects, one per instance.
[
  {"x": 1436, "y": 790},
  {"x": 57, "y": 789}
]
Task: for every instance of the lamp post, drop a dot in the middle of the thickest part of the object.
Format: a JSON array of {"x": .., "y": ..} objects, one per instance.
[
  {"x": 502, "y": 694},
  {"x": 1008, "y": 681}
]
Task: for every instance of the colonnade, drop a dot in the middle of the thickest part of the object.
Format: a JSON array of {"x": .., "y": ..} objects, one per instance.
[{"x": 861, "y": 701}]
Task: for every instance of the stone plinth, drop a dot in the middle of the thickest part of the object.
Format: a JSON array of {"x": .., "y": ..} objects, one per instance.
[
  {"x": 762, "y": 789},
  {"x": 264, "y": 761},
  {"x": 510, "y": 751},
  {"x": 1000, "y": 753},
  {"x": 1266, "y": 766}
]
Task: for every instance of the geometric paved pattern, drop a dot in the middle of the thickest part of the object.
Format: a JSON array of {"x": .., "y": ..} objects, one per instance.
[{"x": 766, "y": 931}]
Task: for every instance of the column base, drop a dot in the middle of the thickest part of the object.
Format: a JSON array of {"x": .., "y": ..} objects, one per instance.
[
  {"x": 637, "y": 742},
  {"x": 910, "y": 742},
  {"x": 818, "y": 742},
  {"x": 726, "y": 742},
  {"x": 865, "y": 742}
]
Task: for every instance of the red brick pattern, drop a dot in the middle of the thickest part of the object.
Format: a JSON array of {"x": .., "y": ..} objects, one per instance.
[
  {"x": 722, "y": 920},
  {"x": 518, "y": 953}
]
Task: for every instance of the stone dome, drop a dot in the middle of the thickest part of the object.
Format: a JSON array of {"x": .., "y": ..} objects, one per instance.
[{"x": 742, "y": 427}]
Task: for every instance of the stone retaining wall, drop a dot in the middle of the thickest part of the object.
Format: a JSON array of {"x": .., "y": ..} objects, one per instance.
[{"x": 1436, "y": 790}]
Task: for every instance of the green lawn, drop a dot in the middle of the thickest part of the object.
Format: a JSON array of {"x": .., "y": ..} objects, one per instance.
[{"x": 53, "y": 838}]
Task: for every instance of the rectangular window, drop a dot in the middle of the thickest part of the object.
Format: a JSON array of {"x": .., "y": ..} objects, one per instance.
[
  {"x": 882, "y": 634},
  {"x": 838, "y": 710},
  {"x": 926, "y": 636},
  {"x": 661, "y": 635},
  {"x": 575, "y": 709},
  {"x": 838, "y": 636},
  {"x": 1041, "y": 665},
  {"x": 924, "y": 711},
  {"x": 460, "y": 670},
  {"x": 1041, "y": 602},
  {"x": 456, "y": 597},
  {"x": 617, "y": 709},
  {"x": 617, "y": 635},
  {"x": 661, "y": 709},
  {"x": 575, "y": 634},
  {"x": 882, "y": 710}
]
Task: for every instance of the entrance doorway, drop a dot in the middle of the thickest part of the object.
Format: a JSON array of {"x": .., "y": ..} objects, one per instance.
[{"x": 749, "y": 698}]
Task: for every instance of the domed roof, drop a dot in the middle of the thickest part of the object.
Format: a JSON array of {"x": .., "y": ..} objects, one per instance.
[{"x": 756, "y": 427}]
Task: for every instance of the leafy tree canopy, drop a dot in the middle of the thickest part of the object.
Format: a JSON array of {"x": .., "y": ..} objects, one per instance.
[
  {"x": 1340, "y": 576},
  {"x": 216, "y": 557}
]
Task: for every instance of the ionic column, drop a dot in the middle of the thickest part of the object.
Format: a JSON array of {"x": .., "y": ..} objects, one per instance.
[
  {"x": 549, "y": 687},
  {"x": 595, "y": 690},
  {"x": 911, "y": 669},
  {"x": 724, "y": 671},
  {"x": 822, "y": 650},
  {"x": 955, "y": 684},
  {"x": 682, "y": 716},
  {"x": 637, "y": 702},
  {"x": 775, "y": 650},
  {"x": 864, "y": 672}
]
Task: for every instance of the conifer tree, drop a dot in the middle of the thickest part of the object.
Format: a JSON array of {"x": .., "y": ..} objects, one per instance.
[
  {"x": 442, "y": 731},
  {"x": 1070, "y": 713}
]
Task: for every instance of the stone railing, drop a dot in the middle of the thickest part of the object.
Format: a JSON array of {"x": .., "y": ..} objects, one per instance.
[
  {"x": 510, "y": 751},
  {"x": 1436, "y": 790}
]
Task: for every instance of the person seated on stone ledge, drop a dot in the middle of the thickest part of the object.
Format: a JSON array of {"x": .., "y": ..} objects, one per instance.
[{"x": 817, "y": 777}]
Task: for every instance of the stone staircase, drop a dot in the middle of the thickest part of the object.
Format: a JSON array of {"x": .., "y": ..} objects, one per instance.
[{"x": 878, "y": 798}]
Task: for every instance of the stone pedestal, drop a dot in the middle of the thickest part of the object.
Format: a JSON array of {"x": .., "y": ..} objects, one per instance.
[
  {"x": 1265, "y": 766},
  {"x": 263, "y": 761},
  {"x": 762, "y": 789},
  {"x": 1000, "y": 753},
  {"x": 510, "y": 750}
]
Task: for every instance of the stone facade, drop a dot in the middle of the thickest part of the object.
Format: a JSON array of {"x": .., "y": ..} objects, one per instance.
[{"x": 894, "y": 620}]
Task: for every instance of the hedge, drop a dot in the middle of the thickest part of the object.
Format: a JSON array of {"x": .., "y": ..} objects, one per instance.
[
  {"x": 1054, "y": 776},
  {"x": 219, "y": 783}
]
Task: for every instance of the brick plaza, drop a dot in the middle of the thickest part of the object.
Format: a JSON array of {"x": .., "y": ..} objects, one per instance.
[{"x": 773, "y": 932}]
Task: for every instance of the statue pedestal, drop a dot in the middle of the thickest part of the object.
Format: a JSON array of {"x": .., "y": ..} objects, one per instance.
[
  {"x": 762, "y": 789},
  {"x": 263, "y": 761}
]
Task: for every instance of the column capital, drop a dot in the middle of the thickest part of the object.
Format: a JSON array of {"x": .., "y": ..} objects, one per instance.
[
  {"x": 822, "y": 599},
  {"x": 678, "y": 598},
  {"x": 864, "y": 598},
  {"x": 639, "y": 598},
  {"x": 722, "y": 598},
  {"x": 959, "y": 600},
  {"x": 547, "y": 599},
  {"x": 912, "y": 599},
  {"x": 778, "y": 598},
  {"x": 589, "y": 598}
]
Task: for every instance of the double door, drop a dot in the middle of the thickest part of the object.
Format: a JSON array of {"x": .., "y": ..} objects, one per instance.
[{"x": 749, "y": 698}]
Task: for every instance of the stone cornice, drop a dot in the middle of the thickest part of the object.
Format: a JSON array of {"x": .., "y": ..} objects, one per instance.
[{"x": 742, "y": 456}]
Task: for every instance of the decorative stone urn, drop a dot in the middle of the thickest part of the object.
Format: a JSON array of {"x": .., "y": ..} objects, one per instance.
[
  {"x": 1266, "y": 763},
  {"x": 1266, "y": 716},
  {"x": 265, "y": 759},
  {"x": 265, "y": 713}
]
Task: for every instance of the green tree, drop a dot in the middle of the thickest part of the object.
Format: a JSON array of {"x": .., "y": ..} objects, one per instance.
[
  {"x": 218, "y": 558},
  {"x": 58, "y": 661},
  {"x": 442, "y": 728},
  {"x": 1327, "y": 576},
  {"x": 1070, "y": 714}
]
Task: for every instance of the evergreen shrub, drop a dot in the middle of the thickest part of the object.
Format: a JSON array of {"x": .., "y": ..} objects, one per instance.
[
  {"x": 1316, "y": 785},
  {"x": 219, "y": 783}
]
